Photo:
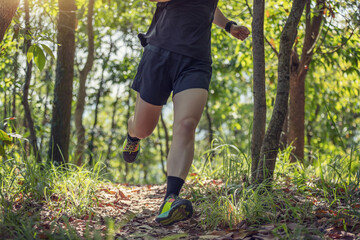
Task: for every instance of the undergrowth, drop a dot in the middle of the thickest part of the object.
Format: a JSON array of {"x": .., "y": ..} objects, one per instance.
[
  {"x": 221, "y": 190},
  {"x": 300, "y": 195},
  {"x": 27, "y": 186}
]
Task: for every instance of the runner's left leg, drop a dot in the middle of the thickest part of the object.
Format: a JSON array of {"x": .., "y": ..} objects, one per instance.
[{"x": 188, "y": 108}]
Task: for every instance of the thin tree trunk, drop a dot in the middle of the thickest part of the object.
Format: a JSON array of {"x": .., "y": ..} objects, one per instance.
[
  {"x": 80, "y": 104},
  {"x": 16, "y": 69},
  {"x": 113, "y": 125},
  {"x": 26, "y": 143},
  {"x": 296, "y": 117},
  {"x": 25, "y": 102},
  {"x": 208, "y": 117},
  {"x": 294, "y": 64},
  {"x": 5, "y": 105},
  {"x": 259, "y": 119},
  {"x": 161, "y": 152},
  {"x": 61, "y": 114},
  {"x": 97, "y": 102},
  {"x": 7, "y": 12},
  {"x": 127, "y": 117},
  {"x": 211, "y": 132},
  {"x": 92, "y": 134},
  {"x": 128, "y": 113},
  {"x": 270, "y": 145},
  {"x": 47, "y": 84},
  {"x": 297, "y": 82},
  {"x": 167, "y": 138}
]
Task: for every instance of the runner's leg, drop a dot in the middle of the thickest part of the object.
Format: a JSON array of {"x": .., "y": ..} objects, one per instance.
[
  {"x": 188, "y": 108},
  {"x": 141, "y": 125},
  {"x": 144, "y": 120}
]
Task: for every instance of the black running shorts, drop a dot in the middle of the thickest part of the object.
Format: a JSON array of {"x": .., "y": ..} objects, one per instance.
[{"x": 161, "y": 71}]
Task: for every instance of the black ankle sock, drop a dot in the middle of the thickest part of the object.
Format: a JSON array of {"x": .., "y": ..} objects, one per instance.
[
  {"x": 132, "y": 138},
  {"x": 174, "y": 185}
]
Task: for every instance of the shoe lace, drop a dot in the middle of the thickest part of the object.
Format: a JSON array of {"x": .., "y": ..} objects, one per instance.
[{"x": 131, "y": 146}]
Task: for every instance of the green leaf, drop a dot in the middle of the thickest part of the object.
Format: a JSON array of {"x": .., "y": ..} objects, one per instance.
[
  {"x": 30, "y": 53},
  {"x": 48, "y": 50},
  {"x": 39, "y": 58},
  {"x": 5, "y": 137}
]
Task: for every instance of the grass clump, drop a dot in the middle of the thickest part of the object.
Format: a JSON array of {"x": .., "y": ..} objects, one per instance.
[{"x": 38, "y": 200}]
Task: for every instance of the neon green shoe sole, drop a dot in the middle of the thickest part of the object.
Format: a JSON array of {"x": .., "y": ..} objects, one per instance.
[{"x": 174, "y": 210}]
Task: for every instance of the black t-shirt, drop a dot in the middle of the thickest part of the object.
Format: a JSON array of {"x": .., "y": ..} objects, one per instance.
[{"x": 184, "y": 27}]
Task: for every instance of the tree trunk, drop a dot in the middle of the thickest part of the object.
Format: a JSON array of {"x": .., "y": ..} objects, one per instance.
[
  {"x": 294, "y": 65},
  {"x": 259, "y": 119},
  {"x": 7, "y": 12},
  {"x": 297, "y": 81},
  {"x": 92, "y": 134},
  {"x": 162, "y": 161},
  {"x": 208, "y": 117},
  {"x": 47, "y": 81},
  {"x": 167, "y": 142},
  {"x": 25, "y": 102},
  {"x": 97, "y": 102},
  {"x": 61, "y": 114},
  {"x": 16, "y": 69},
  {"x": 167, "y": 138},
  {"x": 5, "y": 106},
  {"x": 270, "y": 145},
  {"x": 113, "y": 125},
  {"x": 296, "y": 117},
  {"x": 80, "y": 104},
  {"x": 128, "y": 113},
  {"x": 211, "y": 154}
]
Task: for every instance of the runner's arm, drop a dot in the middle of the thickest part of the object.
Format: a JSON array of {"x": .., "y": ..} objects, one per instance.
[{"x": 239, "y": 32}]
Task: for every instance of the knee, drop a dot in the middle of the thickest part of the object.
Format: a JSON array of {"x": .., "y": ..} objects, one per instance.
[{"x": 186, "y": 126}]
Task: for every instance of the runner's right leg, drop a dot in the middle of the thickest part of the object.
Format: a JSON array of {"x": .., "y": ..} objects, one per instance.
[{"x": 140, "y": 125}]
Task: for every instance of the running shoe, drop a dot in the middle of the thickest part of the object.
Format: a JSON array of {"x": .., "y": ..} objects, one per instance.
[
  {"x": 131, "y": 150},
  {"x": 174, "y": 209}
]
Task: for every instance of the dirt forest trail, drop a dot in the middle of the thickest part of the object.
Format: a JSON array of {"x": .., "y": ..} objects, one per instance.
[
  {"x": 123, "y": 211},
  {"x": 133, "y": 210}
]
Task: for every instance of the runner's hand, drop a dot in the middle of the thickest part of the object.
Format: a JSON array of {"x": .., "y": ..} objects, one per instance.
[{"x": 239, "y": 32}]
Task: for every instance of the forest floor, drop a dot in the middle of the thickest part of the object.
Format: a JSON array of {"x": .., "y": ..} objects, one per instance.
[{"x": 124, "y": 211}]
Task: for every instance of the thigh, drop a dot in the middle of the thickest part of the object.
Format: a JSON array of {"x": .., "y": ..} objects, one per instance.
[{"x": 189, "y": 104}]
